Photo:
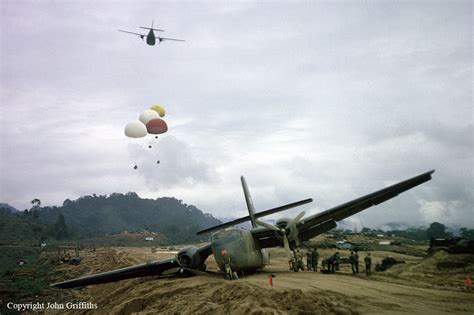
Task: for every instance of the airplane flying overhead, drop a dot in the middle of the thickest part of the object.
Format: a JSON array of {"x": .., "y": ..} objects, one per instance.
[
  {"x": 237, "y": 250},
  {"x": 150, "y": 37}
]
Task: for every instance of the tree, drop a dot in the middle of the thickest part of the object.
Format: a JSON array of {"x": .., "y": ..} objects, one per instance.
[
  {"x": 366, "y": 230},
  {"x": 60, "y": 230},
  {"x": 467, "y": 233},
  {"x": 436, "y": 230}
]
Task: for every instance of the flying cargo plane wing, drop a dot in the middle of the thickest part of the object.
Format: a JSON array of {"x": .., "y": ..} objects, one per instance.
[
  {"x": 166, "y": 38},
  {"x": 141, "y": 35},
  {"x": 324, "y": 221}
]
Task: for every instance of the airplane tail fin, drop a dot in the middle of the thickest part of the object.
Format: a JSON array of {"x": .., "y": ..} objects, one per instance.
[
  {"x": 252, "y": 215},
  {"x": 248, "y": 200}
]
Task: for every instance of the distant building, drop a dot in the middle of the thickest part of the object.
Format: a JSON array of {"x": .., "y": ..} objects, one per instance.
[
  {"x": 348, "y": 245},
  {"x": 149, "y": 239}
]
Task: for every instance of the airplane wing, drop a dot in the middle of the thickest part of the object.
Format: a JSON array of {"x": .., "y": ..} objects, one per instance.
[
  {"x": 324, "y": 221},
  {"x": 141, "y": 35},
  {"x": 189, "y": 259},
  {"x": 166, "y": 38},
  {"x": 147, "y": 269}
]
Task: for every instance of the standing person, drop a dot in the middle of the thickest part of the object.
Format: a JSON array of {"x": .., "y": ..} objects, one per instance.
[
  {"x": 330, "y": 262},
  {"x": 299, "y": 260},
  {"x": 352, "y": 261},
  {"x": 356, "y": 260},
  {"x": 337, "y": 260},
  {"x": 315, "y": 259},
  {"x": 309, "y": 260},
  {"x": 368, "y": 264}
]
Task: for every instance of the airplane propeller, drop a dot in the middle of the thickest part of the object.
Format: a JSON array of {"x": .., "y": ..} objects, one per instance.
[{"x": 288, "y": 230}]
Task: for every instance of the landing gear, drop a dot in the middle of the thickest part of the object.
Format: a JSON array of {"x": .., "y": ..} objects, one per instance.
[{"x": 229, "y": 274}]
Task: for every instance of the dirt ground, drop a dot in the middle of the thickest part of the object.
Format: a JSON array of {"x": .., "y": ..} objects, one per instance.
[{"x": 413, "y": 287}]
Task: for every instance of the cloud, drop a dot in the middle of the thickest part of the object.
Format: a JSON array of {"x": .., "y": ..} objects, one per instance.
[
  {"x": 323, "y": 100},
  {"x": 177, "y": 165}
]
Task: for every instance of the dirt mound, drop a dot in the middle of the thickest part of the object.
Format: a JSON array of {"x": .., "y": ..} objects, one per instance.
[
  {"x": 292, "y": 293},
  {"x": 226, "y": 297},
  {"x": 441, "y": 269}
]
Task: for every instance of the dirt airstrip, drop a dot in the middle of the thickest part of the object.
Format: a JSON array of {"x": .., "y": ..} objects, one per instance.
[{"x": 418, "y": 286}]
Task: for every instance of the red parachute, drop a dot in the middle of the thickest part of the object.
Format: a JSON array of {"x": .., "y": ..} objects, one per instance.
[{"x": 156, "y": 126}]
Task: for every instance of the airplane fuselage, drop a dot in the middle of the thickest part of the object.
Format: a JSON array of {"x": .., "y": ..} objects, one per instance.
[
  {"x": 150, "y": 38},
  {"x": 237, "y": 248}
]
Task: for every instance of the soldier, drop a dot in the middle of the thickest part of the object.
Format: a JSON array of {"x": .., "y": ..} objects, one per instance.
[
  {"x": 352, "y": 261},
  {"x": 356, "y": 261},
  {"x": 337, "y": 260},
  {"x": 324, "y": 264},
  {"x": 368, "y": 264},
  {"x": 299, "y": 260},
  {"x": 331, "y": 262},
  {"x": 315, "y": 259},
  {"x": 309, "y": 260},
  {"x": 334, "y": 262}
]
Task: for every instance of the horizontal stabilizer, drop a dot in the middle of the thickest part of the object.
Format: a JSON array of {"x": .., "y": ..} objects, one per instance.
[
  {"x": 151, "y": 28},
  {"x": 257, "y": 215}
]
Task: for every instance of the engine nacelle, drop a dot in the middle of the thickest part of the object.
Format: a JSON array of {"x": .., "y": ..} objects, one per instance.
[
  {"x": 283, "y": 222},
  {"x": 290, "y": 231},
  {"x": 189, "y": 258}
]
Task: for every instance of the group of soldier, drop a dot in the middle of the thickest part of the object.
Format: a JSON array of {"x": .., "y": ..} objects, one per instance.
[
  {"x": 354, "y": 261},
  {"x": 312, "y": 258},
  {"x": 332, "y": 262}
]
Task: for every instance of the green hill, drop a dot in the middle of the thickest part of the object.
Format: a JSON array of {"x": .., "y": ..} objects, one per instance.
[
  {"x": 92, "y": 216},
  {"x": 20, "y": 226}
]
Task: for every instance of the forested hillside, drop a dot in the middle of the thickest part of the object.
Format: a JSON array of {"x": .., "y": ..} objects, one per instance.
[{"x": 91, "y": 216}]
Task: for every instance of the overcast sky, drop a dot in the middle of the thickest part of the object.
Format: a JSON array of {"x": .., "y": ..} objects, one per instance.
[{"x": 330, "y": 100}]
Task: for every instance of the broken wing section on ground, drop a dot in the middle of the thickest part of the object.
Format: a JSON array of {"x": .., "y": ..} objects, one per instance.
[
  {"x": 187, "y": 259},
  {"x": 153, "y": 268}
]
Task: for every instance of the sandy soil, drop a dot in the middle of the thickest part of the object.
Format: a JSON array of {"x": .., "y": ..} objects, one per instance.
[{"x": 402, "y": 290}]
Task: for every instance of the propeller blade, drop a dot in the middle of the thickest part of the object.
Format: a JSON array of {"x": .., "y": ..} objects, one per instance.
[
  {"x": 286, "y": 244},
  {"x": 267, "y": 225},
  {"x": 296, "y": 219}
]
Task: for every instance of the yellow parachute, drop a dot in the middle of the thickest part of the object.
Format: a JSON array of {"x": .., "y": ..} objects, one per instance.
[{"x": 159, "y": 109}]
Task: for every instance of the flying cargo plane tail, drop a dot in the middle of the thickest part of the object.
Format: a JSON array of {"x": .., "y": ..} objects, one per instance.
[
  {"x": 151, "y": 28},
  {"x": 252, "y": 215}
]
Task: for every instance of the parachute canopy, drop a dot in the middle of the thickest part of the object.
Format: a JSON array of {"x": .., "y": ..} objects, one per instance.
[
  {"x": 157, "y": 126},
  {"x": 135, "y": 129},
  {"x": 159, "y": 109},
  {"x": 148, "y": 115}
]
